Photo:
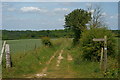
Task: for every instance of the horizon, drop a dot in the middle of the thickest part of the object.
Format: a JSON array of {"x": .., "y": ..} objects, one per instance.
[{"x": 37, "y": 30}]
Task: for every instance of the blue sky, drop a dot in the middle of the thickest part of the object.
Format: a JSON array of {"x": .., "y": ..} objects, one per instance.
[{"x": 50, "y": 15}]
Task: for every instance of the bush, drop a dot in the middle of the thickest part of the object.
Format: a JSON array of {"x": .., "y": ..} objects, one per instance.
[
  {"x": 46, "y": 41},
  {"x": 92, "y": 49}
]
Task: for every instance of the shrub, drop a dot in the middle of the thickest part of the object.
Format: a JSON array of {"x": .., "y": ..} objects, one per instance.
[
  {"x": 46, "y": 41},
  {"x": 92, "y": 49}
]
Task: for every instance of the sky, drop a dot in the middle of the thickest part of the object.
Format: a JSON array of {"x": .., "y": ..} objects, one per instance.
[{"x": 50, "y": 15}]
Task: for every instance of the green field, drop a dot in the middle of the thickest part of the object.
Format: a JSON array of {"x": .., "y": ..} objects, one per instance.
[
  {"x": 22, "y": 46},
  {"x": 31, "y": 57}
]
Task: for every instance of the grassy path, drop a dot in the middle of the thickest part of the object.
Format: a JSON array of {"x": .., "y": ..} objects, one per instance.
[
  {"x": 44, "y": 70},
  {"x": 51, "y": 62},
  {"x": 59, "y": 65}
]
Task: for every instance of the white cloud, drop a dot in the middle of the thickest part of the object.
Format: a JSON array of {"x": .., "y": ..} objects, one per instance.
[
  {"x": 114, "y": 16},
  {"x": 5, "y": 5},
  {"x": 104, "y": 14},
  {"x": 61, "y": 9},
  {"x": 11, "y": 9},
  {"x": 92, "y": 11},
  {"x": 88, "y": 4},
  {"x": 32, "y": 9},
  {"x": 111, "y": 16}
]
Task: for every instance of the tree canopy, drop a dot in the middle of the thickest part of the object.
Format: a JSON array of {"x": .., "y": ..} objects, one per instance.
[{"x": 77, "y": 20}]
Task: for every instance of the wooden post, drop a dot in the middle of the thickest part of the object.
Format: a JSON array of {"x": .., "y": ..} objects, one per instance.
[
  {"x": 105, "y": 53},
  {"x": 101, "y": 60},
  {"x": 104, "y": 56},
  {"x": 2, "y": 51},
  {"x": 8, "y": 61}
]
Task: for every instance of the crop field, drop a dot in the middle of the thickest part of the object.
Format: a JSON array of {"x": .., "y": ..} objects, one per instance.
[
  {"x": 31, "y": 62},
  {"x": 22, "y": 46}
]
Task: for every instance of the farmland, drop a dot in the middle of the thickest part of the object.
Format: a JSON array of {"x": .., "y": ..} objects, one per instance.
[
  {"x": 29, "y": 61},
  {"x": 22, "y": 46},
  {"x": 72, "y": 43}
]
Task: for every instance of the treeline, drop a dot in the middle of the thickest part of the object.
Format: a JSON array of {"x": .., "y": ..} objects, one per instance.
[
  {"x": 28, "y": 34},
  {"x": 117, "y": 32}
]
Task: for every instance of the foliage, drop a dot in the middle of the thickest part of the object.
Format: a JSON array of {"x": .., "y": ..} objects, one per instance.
[
  {"x": 77, "y": 20},
  {"x": 6, "y": 34},
  {"x": 28, "y": 64},
  {"x": 117, "y": 33},
  {"x": 92, "y": 49},
  {"x": 46, "y": 41},
  {"x": 113, "y": 68},
  {"x": 28, "y": 34}
]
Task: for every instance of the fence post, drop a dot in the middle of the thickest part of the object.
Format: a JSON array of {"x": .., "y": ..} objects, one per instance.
[
  {"x": 8, "y": 61},
  {"x": 105, "y": 53},
  {"x": 101, "y": 60},
  {"x": 2, "y": 51}
]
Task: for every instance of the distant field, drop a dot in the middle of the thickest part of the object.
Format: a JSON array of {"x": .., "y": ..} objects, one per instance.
[{"x": 22, "y": 46}]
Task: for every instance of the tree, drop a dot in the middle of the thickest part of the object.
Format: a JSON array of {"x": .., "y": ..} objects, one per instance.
[
  {"x": 77, "y": 20},
  {"x": 92, "y": 49},
  {"x": 46, "y": 41},
  {"x": 97, "y": 16}
]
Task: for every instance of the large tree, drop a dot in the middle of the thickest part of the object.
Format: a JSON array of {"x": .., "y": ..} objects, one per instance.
[{"x": 77, "y": 20}]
